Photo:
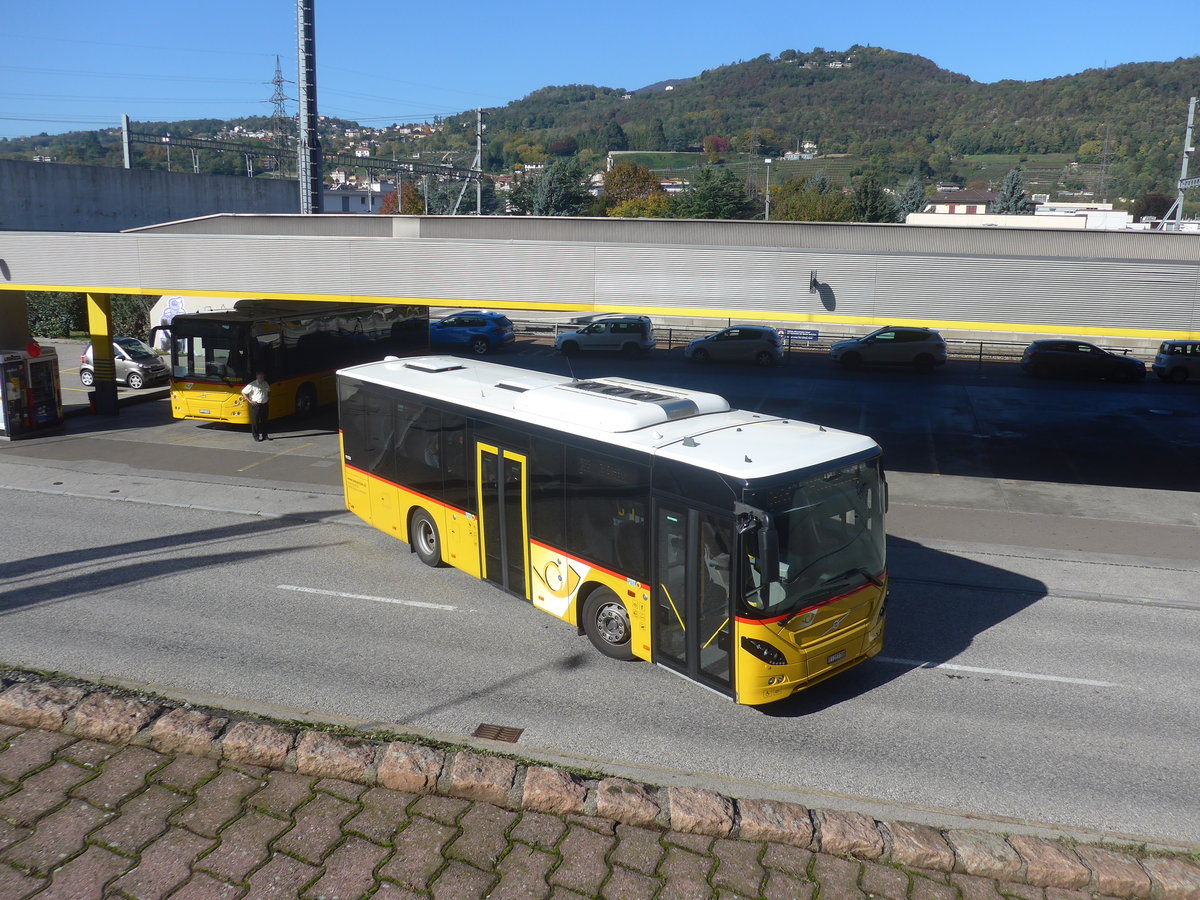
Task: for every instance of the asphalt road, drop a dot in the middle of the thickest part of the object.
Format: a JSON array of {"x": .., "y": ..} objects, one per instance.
[{"x": 1039, "y": 664}]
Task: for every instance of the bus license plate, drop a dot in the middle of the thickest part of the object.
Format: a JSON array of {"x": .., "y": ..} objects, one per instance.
[{"x": 836, "y": 657}]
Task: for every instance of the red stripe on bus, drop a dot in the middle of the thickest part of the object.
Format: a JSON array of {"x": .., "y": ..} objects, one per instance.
[
  {"x": 439, "y": 503},
  {"x": 792, "y": 615}
]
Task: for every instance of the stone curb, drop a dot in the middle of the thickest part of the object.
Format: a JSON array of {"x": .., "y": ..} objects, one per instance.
[{"x": 33, "y": 701}]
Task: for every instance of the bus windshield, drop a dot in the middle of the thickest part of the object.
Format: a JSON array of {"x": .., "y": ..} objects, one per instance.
[
  {"x": 831, "y": 539},
  {"x": 210, "y": 350}
]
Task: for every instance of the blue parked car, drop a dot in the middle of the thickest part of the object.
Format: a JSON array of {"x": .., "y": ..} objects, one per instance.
[{"x": 477, "y": 331}]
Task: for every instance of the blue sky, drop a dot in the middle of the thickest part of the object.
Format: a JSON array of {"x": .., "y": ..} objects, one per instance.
[{"x": 75, "y": 65}]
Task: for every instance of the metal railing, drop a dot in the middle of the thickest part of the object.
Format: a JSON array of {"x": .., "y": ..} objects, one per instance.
[{"x": 670, "y": 337}]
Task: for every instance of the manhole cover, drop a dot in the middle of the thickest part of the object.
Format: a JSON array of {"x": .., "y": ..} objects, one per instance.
[{"x": 498, "y": 733}]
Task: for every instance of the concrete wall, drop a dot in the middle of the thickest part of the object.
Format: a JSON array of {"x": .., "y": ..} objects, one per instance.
[{"x": 52, "y": 197}]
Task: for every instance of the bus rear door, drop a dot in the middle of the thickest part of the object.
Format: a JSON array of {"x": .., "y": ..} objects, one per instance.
[{"x": 503, "y": 523}]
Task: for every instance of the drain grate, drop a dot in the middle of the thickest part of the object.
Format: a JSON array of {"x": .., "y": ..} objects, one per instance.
[{"x": 498, "y": 733}]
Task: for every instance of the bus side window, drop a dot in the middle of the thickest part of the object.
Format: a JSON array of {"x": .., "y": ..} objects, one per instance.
[{"x": 456, "y": 463}]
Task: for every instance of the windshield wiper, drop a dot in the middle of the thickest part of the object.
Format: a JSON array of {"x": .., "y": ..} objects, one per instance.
[{"x": 857, "y": 570}]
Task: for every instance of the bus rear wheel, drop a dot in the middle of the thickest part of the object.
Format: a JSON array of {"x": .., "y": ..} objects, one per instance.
[
  {"x": 306, "y": 401},
  {"x": 423, "y": 535},
  {"x": 606, "y": 621}
]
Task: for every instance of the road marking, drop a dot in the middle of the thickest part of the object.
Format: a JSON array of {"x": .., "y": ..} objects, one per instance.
[
  {"x": 928, "y": 664},
  {"x": 417, "y": 603},
  {"x": 275, "y": 456}
]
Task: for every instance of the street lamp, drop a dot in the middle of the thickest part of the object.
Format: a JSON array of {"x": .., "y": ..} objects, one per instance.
[{"x": 767, "y": 214}]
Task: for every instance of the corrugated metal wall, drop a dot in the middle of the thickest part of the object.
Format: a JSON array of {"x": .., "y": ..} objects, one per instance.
[{"x": 1102, "y": 287}]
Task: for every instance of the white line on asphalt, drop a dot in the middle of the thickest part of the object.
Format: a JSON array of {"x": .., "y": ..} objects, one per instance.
[
  {"x": 422, "y": 605},
  {"x": 275, "y": 456},
  {"x": 928, "y": 664}
]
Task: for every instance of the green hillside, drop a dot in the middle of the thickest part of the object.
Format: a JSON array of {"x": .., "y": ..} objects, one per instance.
[{"x": 1117, "y": 130}]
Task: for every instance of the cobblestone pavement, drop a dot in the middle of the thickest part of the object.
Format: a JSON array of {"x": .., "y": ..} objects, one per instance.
[{"x": 108, "y": 795}]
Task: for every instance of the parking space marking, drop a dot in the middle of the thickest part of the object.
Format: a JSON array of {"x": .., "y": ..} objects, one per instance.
[
  {"x": 274, "y": 456},
  {"x": 418, "y": 603},
  {"x": 929, "y": 664}
]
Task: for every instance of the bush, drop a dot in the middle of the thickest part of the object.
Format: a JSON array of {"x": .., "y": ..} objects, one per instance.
[{"x": 56, "y": 314}]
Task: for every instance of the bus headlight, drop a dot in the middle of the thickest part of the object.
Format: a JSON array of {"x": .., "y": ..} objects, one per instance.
[{"x": 768, "y": 653}]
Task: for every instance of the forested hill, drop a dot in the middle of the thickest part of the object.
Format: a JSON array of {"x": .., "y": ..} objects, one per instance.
[
  {"x": 899, "y": 110},
  {"x": 893, "y": 112}
]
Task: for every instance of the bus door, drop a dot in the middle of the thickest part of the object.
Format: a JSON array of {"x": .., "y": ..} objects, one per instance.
[
  {"x": 693, "y": 609},
  {"x": 503, "y": 525}
]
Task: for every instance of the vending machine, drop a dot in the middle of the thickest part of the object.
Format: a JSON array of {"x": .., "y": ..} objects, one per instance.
[{"x": 30, "y": 393}]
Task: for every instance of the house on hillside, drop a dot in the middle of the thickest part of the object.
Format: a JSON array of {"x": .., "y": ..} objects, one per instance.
[{"x": 964, "y": 201}]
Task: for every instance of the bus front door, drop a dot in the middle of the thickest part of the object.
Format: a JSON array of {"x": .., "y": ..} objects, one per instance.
[
  {"x": 692, "y": 609},
  {"x": 503, "y": 527}
]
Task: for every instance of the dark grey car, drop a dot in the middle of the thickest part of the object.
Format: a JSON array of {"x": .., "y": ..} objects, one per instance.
[{"x": 1079, "y": 359}]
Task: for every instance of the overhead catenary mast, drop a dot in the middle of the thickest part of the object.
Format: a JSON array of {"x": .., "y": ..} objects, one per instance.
[
  {"x": 308, "y": 148},
  {"x": 1184, "y": 182}
]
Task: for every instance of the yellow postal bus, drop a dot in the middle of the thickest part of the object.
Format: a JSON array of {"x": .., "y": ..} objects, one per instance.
[
  {"x": 742, "y": 550},
  {"x": 299, "y": 345}
]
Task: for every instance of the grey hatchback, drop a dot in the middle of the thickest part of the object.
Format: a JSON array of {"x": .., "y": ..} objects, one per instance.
[
  {"x": 757, "y": 344},
  {"x": 135, "y": 363}
]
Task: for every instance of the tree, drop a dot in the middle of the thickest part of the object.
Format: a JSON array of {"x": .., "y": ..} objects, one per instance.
[
  {"x": 871, "y": 202},
  {"x": 810, "y": 200},
  {"x": 559, "y": 190},
  {"x": 713, "y": 194},
  {"x": 567, "y": 146},
  {"x": 656, "y": 206},
  {"x": 612, "y": 137},
  {"x": 1152, "y": 204},
  {"x": 714, "y": 146},
  {"x": 628, "y": 181},
  {"x": 1011, "y": 200},
  {"x": 912, "y": 199},
  {"x": 658, "y": 137},
  {"x": 411, "y": 201}
]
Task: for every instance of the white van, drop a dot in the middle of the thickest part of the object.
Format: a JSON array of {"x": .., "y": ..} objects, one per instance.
[{"x": 1177, "y": 361}]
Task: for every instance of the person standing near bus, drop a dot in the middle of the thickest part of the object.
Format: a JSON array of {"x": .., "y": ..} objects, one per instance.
[{"x": 258, "y": 395}]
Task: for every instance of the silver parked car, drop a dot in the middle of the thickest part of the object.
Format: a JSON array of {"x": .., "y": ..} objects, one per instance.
[
  {"x": 626, "y": 334},
  {"x": 136, "y": 364},
  {"x": 921, "y": 348},
  {"x": 758, "y": 344}
]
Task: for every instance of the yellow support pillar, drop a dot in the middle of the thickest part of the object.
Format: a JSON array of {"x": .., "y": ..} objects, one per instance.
[{"x": 104, "y": 391}]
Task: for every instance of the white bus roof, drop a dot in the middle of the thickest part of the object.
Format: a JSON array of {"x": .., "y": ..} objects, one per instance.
[{"x": 672, "y": 423}]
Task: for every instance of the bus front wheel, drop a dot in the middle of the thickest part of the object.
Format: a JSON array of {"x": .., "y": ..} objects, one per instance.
[
  {"x": 606, "y": 621},
  {"x": 423, "y": 534}
]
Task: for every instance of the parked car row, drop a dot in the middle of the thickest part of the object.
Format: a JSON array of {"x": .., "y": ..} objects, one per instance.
[{"x": 921, "y": 349}]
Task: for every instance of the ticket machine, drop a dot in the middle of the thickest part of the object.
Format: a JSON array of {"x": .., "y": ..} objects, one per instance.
[{"x": 30, "y": 392}]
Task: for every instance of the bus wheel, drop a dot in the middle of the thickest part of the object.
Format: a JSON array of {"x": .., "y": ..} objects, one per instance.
[
  {"x": 306, "y": 401},
  {"x": 423, "y": 535},
  {"x": 606, "y": 622}
]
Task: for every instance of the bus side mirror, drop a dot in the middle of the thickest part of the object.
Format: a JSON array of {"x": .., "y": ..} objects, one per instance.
[
  {"x": 768, "y": 554},
  {"x": 748, "y": 518}
]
